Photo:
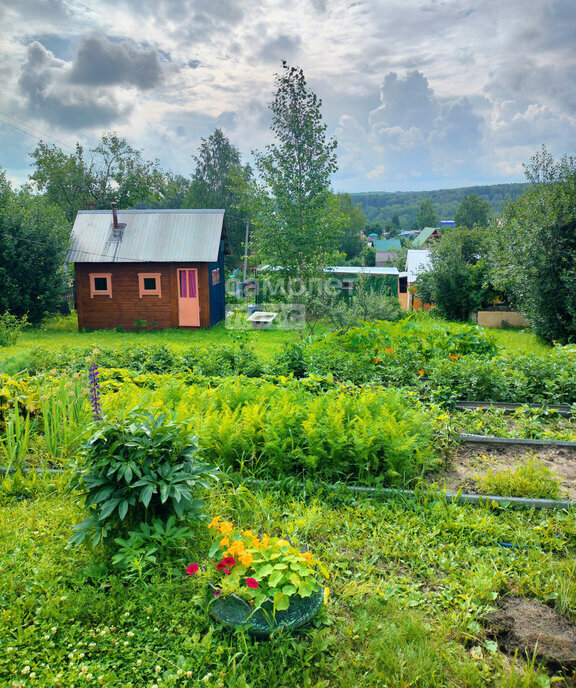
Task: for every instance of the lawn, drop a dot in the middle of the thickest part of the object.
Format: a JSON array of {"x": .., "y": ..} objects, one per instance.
[
  {"x": 412, "y": 578},
  {"x": 411, "y": 581}
]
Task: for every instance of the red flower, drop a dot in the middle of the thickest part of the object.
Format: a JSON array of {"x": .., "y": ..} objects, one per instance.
[
  {"x": 192, "y": 569},
  {"x": 252, "y": 583},
  {"x": 228, "y": 562},
  {"x": 226, "y": 572}
]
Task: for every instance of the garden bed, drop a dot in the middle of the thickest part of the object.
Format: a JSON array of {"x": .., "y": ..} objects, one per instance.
[{"x": 471, "y": 460}]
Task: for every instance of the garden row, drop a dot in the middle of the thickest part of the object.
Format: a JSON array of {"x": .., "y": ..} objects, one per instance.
[{"x": 441, "y": 362}]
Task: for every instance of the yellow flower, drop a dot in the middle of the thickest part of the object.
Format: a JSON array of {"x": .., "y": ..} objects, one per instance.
[
  {"x": 246, "y": 558},
  {"x": 307, "y": 556},
  {"x": 224, "y": 542},
  {"x": 237, "y": 548},
  {"x": 214, "y": 522},
  {"x": 225, "y": 527},
  {"x": 264, "y": 542},
  {"x": 255, "y": 542},
  {"x": 283, "y": 543},
  {"x": 326, "y": 595},
  {"x": 247, "y": 533}
]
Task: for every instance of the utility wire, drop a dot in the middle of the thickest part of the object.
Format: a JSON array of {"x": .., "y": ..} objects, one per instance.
[{"x": 29, "y": 133}]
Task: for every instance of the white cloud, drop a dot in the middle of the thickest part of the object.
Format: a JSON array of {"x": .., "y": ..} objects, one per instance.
[{"x": 424, "y": 91}]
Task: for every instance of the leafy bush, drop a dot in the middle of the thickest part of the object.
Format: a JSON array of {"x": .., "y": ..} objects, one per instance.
[
  {"x": 10, "y": 328},
  {"x": 531, "y": 478},
  {"x": 136, "y": 470}
]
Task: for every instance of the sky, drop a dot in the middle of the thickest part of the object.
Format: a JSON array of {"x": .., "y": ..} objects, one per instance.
[{"x": 420, "y": 94}]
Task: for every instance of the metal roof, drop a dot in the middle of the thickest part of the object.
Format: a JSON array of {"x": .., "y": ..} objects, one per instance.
[
  {"x": 387, "y": 244},
  {"x": 357, "y": 270},
  {"x": 417, "y": 262},
  {"x": 158, "y": 236}
]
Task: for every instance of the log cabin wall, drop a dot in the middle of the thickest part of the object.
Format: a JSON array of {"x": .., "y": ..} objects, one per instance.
[{"x": 125, "y": 307}]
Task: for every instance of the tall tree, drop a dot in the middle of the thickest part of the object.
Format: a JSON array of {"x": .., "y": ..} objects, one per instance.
[
  {"x": 534, "y": 247},
  {"x": 473, "y": 211},
  {"x": 297, "y": 219},
  {"x": 217, "y": 174},
  {"x": 33, "y": 243},
  {"x": 426, "y": 216},
  {"x": 354, "y": 225},
  {"x": 112, "y": 171}
]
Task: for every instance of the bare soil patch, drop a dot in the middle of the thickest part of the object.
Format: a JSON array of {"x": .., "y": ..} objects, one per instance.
[
  {"x": 534, "y": 630},
  {"x": 475, "y": 459}
]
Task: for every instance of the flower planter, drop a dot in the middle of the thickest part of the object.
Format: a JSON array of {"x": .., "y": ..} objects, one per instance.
[{"x": 235, "y": 612}]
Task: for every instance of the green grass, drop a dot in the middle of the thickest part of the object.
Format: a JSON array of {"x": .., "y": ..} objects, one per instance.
[
  {"x": 520, "y": 341},
  {"x": 61, "y": 332},
  {"x": 410, "y": 583}
]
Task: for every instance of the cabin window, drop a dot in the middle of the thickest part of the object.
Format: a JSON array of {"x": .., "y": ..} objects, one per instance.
[
  {"x": 216, "y": 276},
  {"x": 149, "y": 284},
  {"x": 403, "y": 285},
  {"x": 100, "y": 284}
]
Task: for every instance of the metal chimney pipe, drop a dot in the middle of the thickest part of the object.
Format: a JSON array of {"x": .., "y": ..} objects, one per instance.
[{"x": 115, "y": 215}]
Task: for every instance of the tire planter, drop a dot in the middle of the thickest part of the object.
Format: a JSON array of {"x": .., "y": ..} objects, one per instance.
[{"x": 235, "y": 612}]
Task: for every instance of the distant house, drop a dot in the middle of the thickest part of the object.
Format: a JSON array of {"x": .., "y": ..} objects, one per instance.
[
  {"x": 417, "y": 262},
  {"x": 447, "y": 223},
  {"x": 428, "y": 234},
  {"x": 386, "y": 250},
  {"x": 161, "y": 267}
]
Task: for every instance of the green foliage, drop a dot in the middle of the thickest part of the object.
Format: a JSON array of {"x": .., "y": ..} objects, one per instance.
[
  {"x": 411, "y": 581},
  {"x": 472, "y": 212},
  {"x": 297, "y": 219},
  {"x": 367, "y": 303},
  {"x": 135, "y": 470},
  {"x": 138, "y": 553},
  {"x": 534, "y": 248},
  {"x": 530, "y": 478},
  {"x": 15, "y": 442},
  {"x": 427, "y": 216},
  {"x": 458, "y": 281},
  {"x": 218, "y": 171},
  {"x": 397, "y": 210},
  {"x": 10, "y": 328},
  {"x": 33, "y": 243},
  {"x": 352, "y": 242},
  {"x": 113, "y": 172}
]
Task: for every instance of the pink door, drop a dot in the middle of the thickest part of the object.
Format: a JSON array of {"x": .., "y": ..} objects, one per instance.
[{"x": 188, "y": 303}]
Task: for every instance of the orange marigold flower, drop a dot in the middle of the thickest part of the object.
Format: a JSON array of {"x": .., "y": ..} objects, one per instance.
[
  {"x": 247, "y": 533},
  {"x": 237, "y": 547},
  {"x": 421, "y": 372},
  {"x": 264, "y": 542},
  {"x": 307, "y": 556},
  {"x": 224, "y": 542},
  {"x": 246, "y": 558},
  {"x": 214, "y": 522},
  {"x": 453, "y": 357},
  {"x": 225, "y": 527},
  {"x": 377, "y": 360}
]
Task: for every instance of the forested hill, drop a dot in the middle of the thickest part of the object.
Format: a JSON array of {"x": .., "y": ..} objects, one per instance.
[{"x": 381, "y": 206}]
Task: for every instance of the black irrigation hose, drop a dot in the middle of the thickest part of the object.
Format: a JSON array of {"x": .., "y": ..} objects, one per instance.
[
  {"x": 491, "y": 439},
  {"x": 458, "y": 497}
]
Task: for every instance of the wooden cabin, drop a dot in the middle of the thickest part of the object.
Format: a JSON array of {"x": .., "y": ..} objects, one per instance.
[{"x": 149, "y": 268}]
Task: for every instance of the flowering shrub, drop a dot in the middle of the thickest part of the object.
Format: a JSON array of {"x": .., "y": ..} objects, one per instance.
[{"x": 257, "y": 567}]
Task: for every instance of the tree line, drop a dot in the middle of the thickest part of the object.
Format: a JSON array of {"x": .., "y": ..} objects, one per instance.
[{"x": 525, "y": 256}]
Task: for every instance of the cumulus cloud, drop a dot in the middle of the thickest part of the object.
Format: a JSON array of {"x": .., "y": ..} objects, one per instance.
[
  {"x": 44, "y": 81},
  {"x": 281, "y": 47},
  {"x": 99, "y": 62}
]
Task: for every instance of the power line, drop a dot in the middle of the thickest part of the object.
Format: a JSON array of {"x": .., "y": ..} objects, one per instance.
[{"x": 29, "y": 133}]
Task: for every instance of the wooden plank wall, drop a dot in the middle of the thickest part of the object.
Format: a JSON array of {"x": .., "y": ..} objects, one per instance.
[{"x": 126, "y": 307}]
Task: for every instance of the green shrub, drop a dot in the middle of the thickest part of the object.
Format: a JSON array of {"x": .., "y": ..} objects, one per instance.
[
  {"x": 10, "y": 328},
  {"x": 531, "y": 478},
  {"x": 136, "y": 470}
]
